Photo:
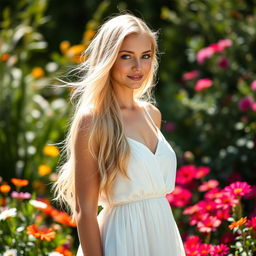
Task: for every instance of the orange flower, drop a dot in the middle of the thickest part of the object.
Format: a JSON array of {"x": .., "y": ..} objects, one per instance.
[
  {"x": 44, "y": 169},
  {"x": 51, "y": 150},
  {"x": 43, "y": 233},
  {"x": 75, "y": 50},
  {"x": 64, "y": 218},
  {"x": 37, "y": 72},
  {"x": 5, "y": 188},
  {"x": 19, "y": 182},
  {"x": 63, "y": 251},
  {"x": 5, "y": 57},
  {"x": 64, "y": 46},
  {"x": 89, "y": 34},
  {"x": 238, "y": 223}
]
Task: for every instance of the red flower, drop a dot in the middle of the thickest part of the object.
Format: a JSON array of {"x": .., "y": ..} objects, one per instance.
[
  {"x": 185, "y": 174},
  {"x": 238, "y": 188},
  {"x": 179, "y": 197},
  {"x": 203, "y": 84},
  {"x": 43, "y": 233},
  {"x": 252, "y": 223}
]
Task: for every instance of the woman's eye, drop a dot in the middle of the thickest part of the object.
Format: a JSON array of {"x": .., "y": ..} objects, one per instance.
[
  {"x": 125, "y": 56},
  {"x": 146, "y": 56}
]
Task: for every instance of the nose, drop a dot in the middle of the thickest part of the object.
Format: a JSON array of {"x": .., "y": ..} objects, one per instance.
[{"x": 137, "y": 64}]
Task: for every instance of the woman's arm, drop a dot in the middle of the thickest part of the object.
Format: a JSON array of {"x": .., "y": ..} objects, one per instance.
[{"x": 87, "y": 181}]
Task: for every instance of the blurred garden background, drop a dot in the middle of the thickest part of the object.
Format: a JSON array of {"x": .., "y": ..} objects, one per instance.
[{"x": 206, "y": 91}]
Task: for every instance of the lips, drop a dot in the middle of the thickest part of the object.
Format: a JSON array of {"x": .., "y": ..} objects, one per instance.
[{"x": 136, "y": 77}]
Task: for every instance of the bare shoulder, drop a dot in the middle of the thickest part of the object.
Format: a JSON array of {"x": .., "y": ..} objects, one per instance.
[{"x": 155, "y": 113}]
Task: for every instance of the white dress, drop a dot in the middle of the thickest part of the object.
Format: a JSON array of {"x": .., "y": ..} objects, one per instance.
[{"x": 140, "y": 222}]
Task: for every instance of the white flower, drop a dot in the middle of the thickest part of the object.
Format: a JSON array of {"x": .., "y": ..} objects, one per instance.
[
  {"x": 55, "y": 254},
  {"x": 12, "y": 212},
  {"x": 10, "y": 252},
  {"x": 38, "y": 204}
]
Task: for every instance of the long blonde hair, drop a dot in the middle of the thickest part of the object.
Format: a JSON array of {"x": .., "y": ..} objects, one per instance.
[{"x": 94, "y": 93}]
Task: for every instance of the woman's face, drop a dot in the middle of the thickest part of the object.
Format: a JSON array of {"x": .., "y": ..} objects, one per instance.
[{"x": 133, "y": 62}]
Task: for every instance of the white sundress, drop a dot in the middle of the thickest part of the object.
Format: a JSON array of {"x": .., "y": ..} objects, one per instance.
[{"x": 140, "y": 221}]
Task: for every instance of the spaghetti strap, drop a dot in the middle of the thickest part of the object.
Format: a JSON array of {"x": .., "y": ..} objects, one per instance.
[{"x": 152, "y": 121}]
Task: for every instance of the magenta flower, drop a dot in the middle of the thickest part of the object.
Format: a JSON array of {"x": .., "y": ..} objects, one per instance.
[
  {"x": 208, "y": 224},
  {"x": 20, "y": 195},
  {"x": 190, "y": 75},
  {"x": 185, "y": 174},
  {"x": 205, "y": 249},
  {"x": 203, "y": 84},
  {"x": 223, "y": 214},
  {"x": 219, "y": 250},
  {"x": 251, "y": 223},
  {"x": 170, "y": 126},
  {"x": 192, "y": 245},
  {"x": 207, "y": 185},
  {"x": 253, "y": 106},
  {"x": 179, "y": 197},
  {"x": 245, "y": 103},
  {"x": 253, "y": 85},
  {"x": 238, "y": 188},
  {"x": 207, "y": 205},
  {"x": 223, "y": 63},
  {"x": 197, "y": 217},
  {"x": 201, "y": 172}
]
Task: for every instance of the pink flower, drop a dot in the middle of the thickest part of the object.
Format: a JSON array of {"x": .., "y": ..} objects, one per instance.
[
  {"x": 223, "y": 214},
  {"x": 192, "y": 245},
  {"x": 201, "y": 172},
  {"x": 224, "y": 43},
  {"x": 253, "y": 85},
  {"x": 170, "y": 126},
  {"x": 207, "y": 185},
  {"x": 226, "y": 200},
  {"x": 202, "y": 84},
  {"x": 253, "y": 106},
  {"x": 245, "y": 103},
  {"x": 208, "y": 224},
  {"x": 20, "y": 195},
  {"x": 207, "y": 205},
  {"x": 203, "y": 54},
  {"x": 238, "y": 188},
  {"x": 185, "y": 174},
  {"x": 179, "y": 197},
  {"x": 213, "y": 193},
  {"x": 251, "y": 223},
  {"x": 190, "y": 75},
  {"x": 219, "y": 250},
  {"x": 216, "y": 48},
  {"x": 223, "y": 63},
  {"x": 191, "y": 209},
  {"x": 197, "y": 217}
]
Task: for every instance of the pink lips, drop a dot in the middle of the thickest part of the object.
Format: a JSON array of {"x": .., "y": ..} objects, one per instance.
[{"x": 136, "y": 78}]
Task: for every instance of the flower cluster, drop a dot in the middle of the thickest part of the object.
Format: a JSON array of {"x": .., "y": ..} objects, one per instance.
[{"x": 212, "y": 211}]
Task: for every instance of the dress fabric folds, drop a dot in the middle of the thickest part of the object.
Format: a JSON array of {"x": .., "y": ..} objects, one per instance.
[{"x": 139, "y": 222}]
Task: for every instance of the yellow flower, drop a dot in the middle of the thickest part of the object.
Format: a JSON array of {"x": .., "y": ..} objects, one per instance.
[
  {"x": 51, "y": 150},
  {"x": 44, "y": 170},
  {"x": 37, "y": 72},
  {"x": 64, "y": 46}
]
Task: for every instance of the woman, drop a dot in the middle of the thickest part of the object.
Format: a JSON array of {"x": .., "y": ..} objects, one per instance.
[{"x": 117, "y": 156}]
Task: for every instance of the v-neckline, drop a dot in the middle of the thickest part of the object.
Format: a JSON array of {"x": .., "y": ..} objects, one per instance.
[{"x": 141, "y": 143}]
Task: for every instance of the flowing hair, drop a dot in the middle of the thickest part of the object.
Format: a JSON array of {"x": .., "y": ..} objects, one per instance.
[{"x": 94, "y": 93}]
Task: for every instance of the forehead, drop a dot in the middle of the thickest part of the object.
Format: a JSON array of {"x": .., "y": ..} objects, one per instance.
[{"x": 137, "y": 43}]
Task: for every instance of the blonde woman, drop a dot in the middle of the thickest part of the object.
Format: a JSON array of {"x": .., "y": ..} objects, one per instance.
[{"x": 117, "y": 156}]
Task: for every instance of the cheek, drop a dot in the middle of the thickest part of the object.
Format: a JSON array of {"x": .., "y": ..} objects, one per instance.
[
  {"x": 147, "y": 66},
  {"x": 119, "y": 68}
]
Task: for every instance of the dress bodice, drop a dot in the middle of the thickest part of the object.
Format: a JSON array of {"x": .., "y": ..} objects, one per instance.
[{"x": 151, "y": 174}]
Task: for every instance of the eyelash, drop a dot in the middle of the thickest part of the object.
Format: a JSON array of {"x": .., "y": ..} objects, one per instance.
[{"x": 124, "y": 56}]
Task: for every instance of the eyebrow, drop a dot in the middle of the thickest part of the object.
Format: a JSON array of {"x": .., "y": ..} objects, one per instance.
[{"x": 133, "y": 52}]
